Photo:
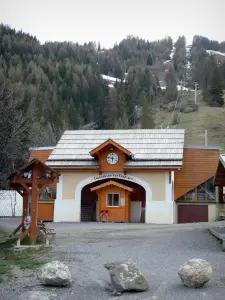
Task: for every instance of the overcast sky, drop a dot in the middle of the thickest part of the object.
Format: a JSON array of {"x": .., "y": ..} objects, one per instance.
[{"x": 110, "y": 21}]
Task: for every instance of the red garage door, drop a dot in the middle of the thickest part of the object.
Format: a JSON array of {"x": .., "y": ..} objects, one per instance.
[{"x": 192, "y": 213}]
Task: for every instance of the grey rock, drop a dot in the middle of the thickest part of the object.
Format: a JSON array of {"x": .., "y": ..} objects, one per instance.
[
  {"x": 55, "y": 273},
  {"x": 195, "y": 273},
  {"x": 37, "y": 295},
  {"x": 125, "y": 276}
]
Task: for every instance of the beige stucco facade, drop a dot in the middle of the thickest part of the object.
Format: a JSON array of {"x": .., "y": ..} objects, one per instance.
[
  {"x": 157, "y": 185},
  {"x": 156, "y": 181},
  {"x": 71, "y": 179}
]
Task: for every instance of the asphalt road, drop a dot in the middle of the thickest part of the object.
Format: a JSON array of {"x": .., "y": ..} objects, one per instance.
[{"x": 158, "y": 251}]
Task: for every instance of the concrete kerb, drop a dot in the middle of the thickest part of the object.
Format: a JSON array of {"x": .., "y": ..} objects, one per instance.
[{"x": 220, "y": 236}]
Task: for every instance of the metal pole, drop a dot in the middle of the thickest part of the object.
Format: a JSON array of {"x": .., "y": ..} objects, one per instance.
[
  {"x": 206, "y": 137},
  {"x": 195, "y": 92}
]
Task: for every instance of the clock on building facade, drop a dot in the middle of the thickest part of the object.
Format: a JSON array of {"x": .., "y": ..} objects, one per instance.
[{"x": 112, "y": 158}]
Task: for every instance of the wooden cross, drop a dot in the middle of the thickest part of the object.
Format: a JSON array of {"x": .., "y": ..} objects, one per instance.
[{"x": 31, "y": 187}]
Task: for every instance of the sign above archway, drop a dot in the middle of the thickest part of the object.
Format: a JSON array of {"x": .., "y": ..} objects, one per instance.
[{"x": 113, "y": 175}]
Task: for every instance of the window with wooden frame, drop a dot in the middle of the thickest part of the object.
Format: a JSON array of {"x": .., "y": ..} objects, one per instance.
[
  {"x": 113, "y": 199},
  {"x": 188, "y": 196},
  {"x": 203, "y": 192}
]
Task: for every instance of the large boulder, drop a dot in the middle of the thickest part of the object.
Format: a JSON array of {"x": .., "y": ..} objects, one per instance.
[
  {"x": 195, "y": 273},
  {"x": 55, "y": 273},
  {"x": 125, "y": 276}
]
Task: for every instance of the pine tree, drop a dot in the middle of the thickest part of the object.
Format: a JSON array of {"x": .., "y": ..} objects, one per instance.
[
  {"x": 147, "y": 120},
  {"x": 122, "y": 122},
  {"x": 171, "y": 84},
  {"x": 179, "y": 58},
  {"x": 212, "y": 83},
  {"x": 215, "y": 97},
  {"x": 149, "y": 60},
  {"x": 110, "y": 112}
]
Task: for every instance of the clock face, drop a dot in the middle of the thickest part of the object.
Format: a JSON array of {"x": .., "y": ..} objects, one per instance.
[{"x": 112, "y": 158}]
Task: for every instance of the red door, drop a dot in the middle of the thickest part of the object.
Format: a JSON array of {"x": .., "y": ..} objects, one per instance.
[{"x": 192, "y": 213}]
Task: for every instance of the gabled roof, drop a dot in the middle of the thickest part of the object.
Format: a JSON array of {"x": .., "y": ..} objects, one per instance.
[
  {"x": 109, "y": 142},
  {"x": 111, "y": 182},
  {"x": 41, "y": 153},
  {"x": 150, "y": 148},
  {"x": 28, "y": 166}
]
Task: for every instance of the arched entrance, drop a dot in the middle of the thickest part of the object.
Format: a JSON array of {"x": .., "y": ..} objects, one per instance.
[
  {"x": 89, "y": 201},
  {"x": 141, "y": 197}
]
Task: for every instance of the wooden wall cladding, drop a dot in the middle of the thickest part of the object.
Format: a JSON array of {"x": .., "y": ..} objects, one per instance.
[{"x": 199, "y": 165}]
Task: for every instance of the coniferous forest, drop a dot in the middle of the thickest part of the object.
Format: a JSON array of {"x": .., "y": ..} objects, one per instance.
[{"x": 48, "y": 88}]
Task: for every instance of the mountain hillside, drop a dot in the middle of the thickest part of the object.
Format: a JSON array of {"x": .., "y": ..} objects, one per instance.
[
  {"x": 47, "y": 88},
  {"x": 195, "y": 124}
]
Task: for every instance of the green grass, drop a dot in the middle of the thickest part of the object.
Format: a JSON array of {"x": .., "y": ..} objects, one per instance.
[{"x": 24, "y": 258}]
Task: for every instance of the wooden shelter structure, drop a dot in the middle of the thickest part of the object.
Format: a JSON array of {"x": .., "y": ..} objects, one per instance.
[
  {"x": 29, "y": 181},
  {"x": 113, "y": 201}
]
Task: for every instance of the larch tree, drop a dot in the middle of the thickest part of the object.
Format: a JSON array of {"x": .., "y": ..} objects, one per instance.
[
  {"x": 147, "y": 120},
  {"x": 171, "y": 83}
]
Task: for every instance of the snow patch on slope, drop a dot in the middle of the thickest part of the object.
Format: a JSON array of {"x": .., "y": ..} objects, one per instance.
[
  {"x": 212, "y": 52},
  {"x": 179, "y": 88},
  {"x": 109, "y": 78}
]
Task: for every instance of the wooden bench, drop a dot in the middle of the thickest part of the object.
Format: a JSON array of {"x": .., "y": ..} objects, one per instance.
[{"x": 46, "y": 231}]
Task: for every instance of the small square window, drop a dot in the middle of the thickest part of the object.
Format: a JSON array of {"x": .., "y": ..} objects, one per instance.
[
  {"x": 116, "y": 199},
  {"x": 113, "y": 199},
  {"x": 109, "y": 199}
]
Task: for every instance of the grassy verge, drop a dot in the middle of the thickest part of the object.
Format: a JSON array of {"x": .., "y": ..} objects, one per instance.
[
  {"x": 195, "y": 123},
  {"x": 25, "y": 258}
]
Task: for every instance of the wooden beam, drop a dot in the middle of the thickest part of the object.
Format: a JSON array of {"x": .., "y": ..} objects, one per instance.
[
  {"x": 219, "y": 183},
  {"x": 220, "y": 194},
  {"x": 25, "y": 206},
  {"x": 220, "y": 172},
  {"x": 40, "y": 180},
  {"x": 196, "y": 201},
  {"x": 17, "y": 229},
  {"x": 18, "y": 190},
  {"x": 42, "y": 189},
  {"x": 34, "y": 200},
  {"x": 23, "y": 235},
  {"x": 41, "y": 234},
  {"x": 26, "y": 188}
]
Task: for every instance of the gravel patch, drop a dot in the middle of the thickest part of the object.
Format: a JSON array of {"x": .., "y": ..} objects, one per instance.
[{"x": 158, "y": 251}]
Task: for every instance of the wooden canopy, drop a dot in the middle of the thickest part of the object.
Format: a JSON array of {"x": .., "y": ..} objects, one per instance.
[
  {"x": 111, "y": 183},
  {"x": 29, "y": 181}
]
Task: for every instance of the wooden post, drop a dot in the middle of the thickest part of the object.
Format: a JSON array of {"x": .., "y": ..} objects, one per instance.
[
  {"x": 217, "y": 203},
  {"x": 25, "y": 205},
  {"x": 34, "y": 199}
]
